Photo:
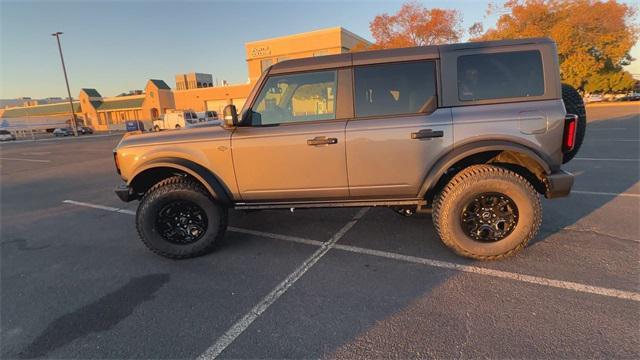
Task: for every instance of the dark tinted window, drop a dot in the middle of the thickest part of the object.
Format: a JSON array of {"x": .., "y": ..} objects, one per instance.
[
  {"x": 500, "y": 75},
  {"x": 393, "y": 89}
]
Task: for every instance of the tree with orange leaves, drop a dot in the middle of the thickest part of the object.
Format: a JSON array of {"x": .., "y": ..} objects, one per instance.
[
  {"x": 594, "y": 37},
  {"x": 415, "y": 25}
]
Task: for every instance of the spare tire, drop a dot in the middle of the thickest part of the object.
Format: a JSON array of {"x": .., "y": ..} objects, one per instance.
[{"x": 575, "y": 105}]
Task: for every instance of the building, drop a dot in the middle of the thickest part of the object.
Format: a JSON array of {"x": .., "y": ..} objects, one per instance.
[
  {"x": 193, "y": 81},
  {"x": 260, "y": 55},
  {"x": 194, "y": 91},
  {"x": 92, "y": 109}
]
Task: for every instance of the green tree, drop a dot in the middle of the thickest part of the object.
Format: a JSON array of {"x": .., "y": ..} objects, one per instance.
[
  {"x": 593, "y": 36},
  {"x": 610, "y": 81}
]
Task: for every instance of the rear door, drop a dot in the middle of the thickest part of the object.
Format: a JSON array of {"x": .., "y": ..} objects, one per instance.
[{"x": 398, "y": 132}]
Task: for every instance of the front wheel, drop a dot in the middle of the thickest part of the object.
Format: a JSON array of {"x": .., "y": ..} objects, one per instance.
[
  {"x": 178, "y": 219},
  {"x": 486, "y": 212}
]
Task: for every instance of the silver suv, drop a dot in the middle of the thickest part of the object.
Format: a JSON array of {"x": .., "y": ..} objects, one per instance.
[{"x": 470, "y": 132}]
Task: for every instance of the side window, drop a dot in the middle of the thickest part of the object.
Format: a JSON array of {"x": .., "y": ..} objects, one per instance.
[
  {"x": 395, "y": 88},
  {"x": 296, "y": 98},
  {"x": 500, "y": 75}
]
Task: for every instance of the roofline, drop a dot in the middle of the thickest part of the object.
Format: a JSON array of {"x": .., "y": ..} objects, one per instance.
[
  {"x": 313, "y": 32},
  {"x": 124, "y": 97},
  {"x": 394, "y": 55}
]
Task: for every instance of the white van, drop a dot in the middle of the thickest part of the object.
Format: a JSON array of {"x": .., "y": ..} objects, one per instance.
[{"x": 176, "y": 120}]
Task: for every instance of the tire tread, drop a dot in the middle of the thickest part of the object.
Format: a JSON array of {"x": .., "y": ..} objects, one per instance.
[{"x": 475, "y": 172}]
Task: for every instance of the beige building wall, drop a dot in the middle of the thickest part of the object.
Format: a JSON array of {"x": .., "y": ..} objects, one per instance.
[{"x": 262, "y": 53}]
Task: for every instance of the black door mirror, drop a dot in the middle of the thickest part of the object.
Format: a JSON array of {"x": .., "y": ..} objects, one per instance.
[{"x": 230, "y": 115}]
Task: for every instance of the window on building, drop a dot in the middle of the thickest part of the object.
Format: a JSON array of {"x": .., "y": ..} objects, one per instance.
[
  {"x": 296, "y": 98},
  {"x": 395, "y": 88},
  {"x": 265, "y": 63},
  {"x": 500, "y": 75}
]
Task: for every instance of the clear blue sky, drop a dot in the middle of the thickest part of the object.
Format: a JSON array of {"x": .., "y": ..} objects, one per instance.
[{"x": 115, "y": 46}]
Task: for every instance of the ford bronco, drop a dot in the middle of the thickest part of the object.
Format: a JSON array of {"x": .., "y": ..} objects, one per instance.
[{"x": 472, "y": 133}]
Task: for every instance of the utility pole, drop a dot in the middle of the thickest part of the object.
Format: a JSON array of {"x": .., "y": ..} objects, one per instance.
[{"x": 74, "y": 121}]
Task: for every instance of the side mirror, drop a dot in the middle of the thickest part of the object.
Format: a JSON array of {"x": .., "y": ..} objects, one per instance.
[{"x": 230, "y": 115}]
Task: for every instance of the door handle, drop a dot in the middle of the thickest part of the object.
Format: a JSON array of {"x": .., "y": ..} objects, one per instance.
[
  {"x": 322, "y": 140},
  {"x": 427, "y": 134}
]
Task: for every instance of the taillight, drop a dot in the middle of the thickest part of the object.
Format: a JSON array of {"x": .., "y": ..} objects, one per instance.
[
  {"x": 569, "y": 136},
  {"x": 115, "y": 159}
]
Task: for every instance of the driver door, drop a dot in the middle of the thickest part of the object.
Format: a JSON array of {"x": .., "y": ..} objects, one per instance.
[{"x": 294, "y": 147}]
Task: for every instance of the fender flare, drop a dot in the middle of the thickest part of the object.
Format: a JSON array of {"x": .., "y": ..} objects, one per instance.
[
  {"x": 457, "y": 154},
  {"x": 208, "y": 179}
]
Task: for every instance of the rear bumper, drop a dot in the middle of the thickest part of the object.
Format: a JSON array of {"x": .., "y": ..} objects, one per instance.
[
  {"x": 125, "y": 193},
  {"x": 558, "y": 184}
]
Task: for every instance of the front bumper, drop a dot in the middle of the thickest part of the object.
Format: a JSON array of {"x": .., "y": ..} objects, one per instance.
[
  {"x": 125, "y": 193},
  {"x": 558, "y": 184}
]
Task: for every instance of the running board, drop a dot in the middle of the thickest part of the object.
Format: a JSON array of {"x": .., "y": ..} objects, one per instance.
[{"x": 332, "y": 204}]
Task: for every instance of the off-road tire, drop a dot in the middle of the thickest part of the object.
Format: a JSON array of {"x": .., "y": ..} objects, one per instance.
[
  {"x": 184, "y": 189},
  {"x": 574, "y": 104},
  {"x": 471, "y": 182}
]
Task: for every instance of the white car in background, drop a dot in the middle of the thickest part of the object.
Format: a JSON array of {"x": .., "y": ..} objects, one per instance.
[
  {"x": 175, "y": 120},
  {"x": 594, "y": 98},
  {"x": 6, "y": 135},
  {"x": 208, "y": 118}
]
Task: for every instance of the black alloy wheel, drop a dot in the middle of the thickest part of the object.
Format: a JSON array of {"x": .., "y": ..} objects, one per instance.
[
  {"x": 181, "y": 222},
  {"x": 489, "y": 217}
]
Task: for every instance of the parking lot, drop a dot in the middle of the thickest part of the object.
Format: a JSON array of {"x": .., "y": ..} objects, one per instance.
[{"x": 76, "y": 282}]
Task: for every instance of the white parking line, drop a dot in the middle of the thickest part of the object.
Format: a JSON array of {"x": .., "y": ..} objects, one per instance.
[
  {"x": 602, "y": 159},
  {"x": 605, "y": 129},
  {"x": 64, "y": 138},
  {"x": 568, "y": 285},
  {"x": 28, "y": 160},
  {"x": 615, "y": 140},
  {"x": 100, "y": 207},
  {"x": 225, "y": 340},
  {"x": 604, "y": 193}
]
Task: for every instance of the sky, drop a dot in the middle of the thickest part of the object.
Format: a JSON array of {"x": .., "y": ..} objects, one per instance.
[{"x": 116, "y": 46}]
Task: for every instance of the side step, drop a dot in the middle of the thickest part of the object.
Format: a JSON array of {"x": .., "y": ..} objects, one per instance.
[{"x": 419, "y": 203}]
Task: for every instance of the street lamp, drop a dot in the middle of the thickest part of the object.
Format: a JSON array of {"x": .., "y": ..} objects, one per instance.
[{"x": 64, "y": 70}]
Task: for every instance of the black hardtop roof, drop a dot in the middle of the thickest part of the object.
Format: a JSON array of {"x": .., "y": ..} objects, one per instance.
[{"x": 393, "y": 55}]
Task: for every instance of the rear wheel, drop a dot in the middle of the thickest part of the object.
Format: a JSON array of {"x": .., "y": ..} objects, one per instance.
[
  {"x": 574, "y": 104},
  {"x": 486, "y": 212},
  {"x": 177, "y": 218},
  {"x": 177, "y": 126}
]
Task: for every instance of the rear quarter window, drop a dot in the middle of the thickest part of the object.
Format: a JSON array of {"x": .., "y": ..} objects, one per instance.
[{"x": 500, "y": 75}]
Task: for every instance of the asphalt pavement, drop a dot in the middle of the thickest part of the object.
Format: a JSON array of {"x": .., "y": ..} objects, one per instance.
[{"x": 76, "y": 282}]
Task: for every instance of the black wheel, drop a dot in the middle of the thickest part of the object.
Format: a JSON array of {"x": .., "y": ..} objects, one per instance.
[
  {"x": 177, "y": 126},
  {"x": 156, "y": 128},
  {"x": 574, "y": 104},
  {"x": 177, "y": 218},
  {"x": 486, "y": 212}
]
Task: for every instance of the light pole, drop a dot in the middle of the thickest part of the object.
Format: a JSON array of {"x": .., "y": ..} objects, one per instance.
[{"x": 74, "y": 123}]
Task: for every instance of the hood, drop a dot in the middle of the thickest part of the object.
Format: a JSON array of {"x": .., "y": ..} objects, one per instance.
[{"x": 175, "y": 136}]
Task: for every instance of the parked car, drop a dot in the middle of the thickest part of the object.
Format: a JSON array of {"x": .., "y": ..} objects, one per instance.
[
  {"x": 594, "y": 98},
  {"x": 6, "y": 135},
  {"x": 631, "y": 97},
  {"x": 473, "y": 133},
  {"x": 84, "y": 130},
  {"x": 63, "y": 132},
  {"x": 175, "y": 120},
  {"x": 134, "y": 125}
]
